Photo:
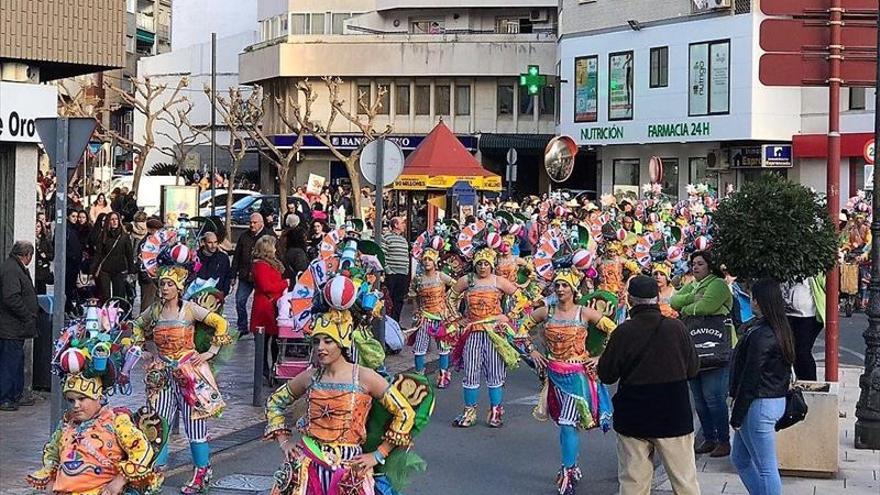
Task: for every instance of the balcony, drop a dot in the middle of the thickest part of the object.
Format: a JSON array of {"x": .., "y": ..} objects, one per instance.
[
  {"x": 398, "y": 55},
  {"x": 146, "y": 22},
  {"x": 462, "y": 4}
]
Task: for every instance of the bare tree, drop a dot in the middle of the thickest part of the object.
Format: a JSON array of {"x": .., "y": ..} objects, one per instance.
[
  {"x": 181, "y": 137},
  {"x": 364, "y": 122},
  {"x": 240, "y": 115}
]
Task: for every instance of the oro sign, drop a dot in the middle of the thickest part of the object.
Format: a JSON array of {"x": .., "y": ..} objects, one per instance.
[{"x": 869, "y": 151}]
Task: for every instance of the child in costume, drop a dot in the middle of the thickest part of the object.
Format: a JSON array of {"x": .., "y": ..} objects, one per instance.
[
  {"x": 429, "y": 288},
  {"x": 180, "y": 378},
  {"x": 95, "y": 449},
  {"x": 336, "y": 453},
  {"x": 483, "y": 342}
]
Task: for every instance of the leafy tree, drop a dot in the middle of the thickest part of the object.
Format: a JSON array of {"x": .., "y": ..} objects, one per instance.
[{"x": 774, "y": 228}]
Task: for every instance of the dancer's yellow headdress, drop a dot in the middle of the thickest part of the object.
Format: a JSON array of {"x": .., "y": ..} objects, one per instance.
[
  {"x": 336, "y": 324},
  {"x": 176, "y": 274},
  {"x": 485, "y": 254},
  {"x": 90, "y": 387},
  {"x": 430, "y": 254}
]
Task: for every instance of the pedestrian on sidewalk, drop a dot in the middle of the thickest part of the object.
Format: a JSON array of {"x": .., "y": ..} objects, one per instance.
[
  {"x": 215, "y": 262},
  {"x": 805, "y": 309},
  {"x": 114, "y": 259},
  {"x": 18, "y": 322},
  {"x": 760, "y": 378},
  {"x": 653, "y": 358},
  {"x": 705, "y": 306},
  {"x": 242, "y": 264},
  {"x": 269, "y": 284},
  {"x": 397, "y": 269}
]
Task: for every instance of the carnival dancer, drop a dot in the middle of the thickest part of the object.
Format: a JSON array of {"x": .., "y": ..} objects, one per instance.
[
  {"x": 663, "y": 275},
  {"x": 482, "y": 344},
  {"x": 180, "y": 379},
  {"x": 95, "y": 449},
  {"x": 572, "y": 396},
  {"x": 429, "y": 289},
  {"x": 330, "y": 456}
]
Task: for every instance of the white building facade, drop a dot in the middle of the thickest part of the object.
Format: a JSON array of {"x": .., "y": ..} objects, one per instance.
[{"x": 663, "y": 79}]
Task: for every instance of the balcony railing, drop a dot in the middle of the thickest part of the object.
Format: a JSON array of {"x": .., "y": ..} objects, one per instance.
[{"x": 146, "y": 22}]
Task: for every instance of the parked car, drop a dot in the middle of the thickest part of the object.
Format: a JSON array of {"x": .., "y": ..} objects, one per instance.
[
  {"x": 220, "y": 200},
  {"x": 244, "y": 207}
]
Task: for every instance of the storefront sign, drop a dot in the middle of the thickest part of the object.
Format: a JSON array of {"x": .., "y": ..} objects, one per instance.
[
  {"x": 586, "y": 89},
  {"x": 776, "y": 155},
  {"x": 20, "y": 105},
  {"x": 602, "y": 133},
  {"x": 745, "y": 157},
  {"x": 352, "y": 142},
  {"x": 678, "y": 129},
  {"x": 411, "y": 183}
]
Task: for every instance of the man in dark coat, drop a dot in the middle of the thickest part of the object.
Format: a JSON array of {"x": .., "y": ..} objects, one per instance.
[
  {"x": 242, "y": 262},
  {"x": 18, "y": 322},
  {"x": 215, "y": 263}
]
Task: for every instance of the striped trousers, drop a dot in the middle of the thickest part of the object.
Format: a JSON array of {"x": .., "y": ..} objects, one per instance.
[
  {"x": 326, "y": 475},
  {"x": 423, "y": 341},
  {"x": 480, "y": 357},
  {"x": 568, "y": 412},
  {"x": 169, "y": 402}
]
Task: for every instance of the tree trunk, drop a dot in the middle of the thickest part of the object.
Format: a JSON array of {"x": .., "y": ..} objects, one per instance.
[
  {"x": 354, "y": 174},
  {"x": 284, "y": 180},
  {"x": 139, "y": 164}
]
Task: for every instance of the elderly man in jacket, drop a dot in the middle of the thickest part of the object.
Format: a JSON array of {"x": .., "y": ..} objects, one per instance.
[
  {"x": 18, "y": 322},
  {"x": 652, "y": 356}
]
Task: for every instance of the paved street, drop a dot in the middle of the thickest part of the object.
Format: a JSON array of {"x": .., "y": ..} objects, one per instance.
[{"x": 520, "y": 459}]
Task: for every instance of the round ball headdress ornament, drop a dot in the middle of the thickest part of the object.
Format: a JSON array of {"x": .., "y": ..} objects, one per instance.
[
  {"x": 340, "y": 292},
  {"x": 493, "y": 240},
  {"x": 621, "y": 234},
  {"x": 72, "y": 360},
  {"x": 180, "y": 253},
  {"x": 437, "y": 243},
  {"x": 702, "y": 243},
  {"x": 582, "y": 259}
]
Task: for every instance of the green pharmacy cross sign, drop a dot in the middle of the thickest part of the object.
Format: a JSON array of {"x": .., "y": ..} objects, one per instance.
[{"x": 532, "y": 80}]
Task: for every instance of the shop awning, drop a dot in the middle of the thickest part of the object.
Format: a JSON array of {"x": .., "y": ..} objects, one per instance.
[
  {"x": 816, "y": 145},
  {"x": 440, "y": 161},
  {"x": 523, "y": 143}
]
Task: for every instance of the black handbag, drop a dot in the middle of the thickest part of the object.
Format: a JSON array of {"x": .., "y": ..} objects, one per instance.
[
  {"x": 711, "y": 336},
  {"x": 795, "y": 406}
]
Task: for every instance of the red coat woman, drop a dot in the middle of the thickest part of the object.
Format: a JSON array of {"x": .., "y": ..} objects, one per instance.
[{"x": 269, "y": 284}]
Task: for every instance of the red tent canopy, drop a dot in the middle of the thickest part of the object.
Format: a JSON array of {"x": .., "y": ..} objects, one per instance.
[{"x": 440, "y": 161}]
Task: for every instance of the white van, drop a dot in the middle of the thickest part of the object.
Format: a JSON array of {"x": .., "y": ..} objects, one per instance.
[{"x": 149, "y": 195}]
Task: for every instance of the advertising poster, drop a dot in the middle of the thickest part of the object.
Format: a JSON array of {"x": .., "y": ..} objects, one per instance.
[
  {"x": 620, "y": 86},
  {"x": 719, "y": 91},
  {"x": 698, "y": 100},
  {"x": 586, "y": 89},
  {"x": 177, "y": 200}
]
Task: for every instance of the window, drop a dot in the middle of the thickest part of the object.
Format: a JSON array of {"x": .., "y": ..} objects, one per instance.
[
  {"x": 338, "y": 23},
  {"x": 402, "y": 97},
  {"x": 131, "y": 6},
  {"x": 423, "y": 100},
  {"x": 363, "y": 98},
  {"x": 526, "y": 102},
  {"x": 505, "y": 99},
  {"x": 659, "y": 67},
  {"x": 625, "y": 177},
  {"x": 442, "y": 95},
  {"x": 699, "y": 173},
  {"x": 462, "y": 100},
  {"x": 709, "y": 78},
  {"x": 298, "y": 24},
  {"x": 316, "y": 24},
  {"x": 129, "y": 44},
  {"x": 856, "y": 98},
  {"x": 670, "y": 177},
  {"x": 586, "y": 89},
  {"x": 385, "y": 100},
  {"x": 427, "y": 26},
  {"x": 548, "y": 100}
]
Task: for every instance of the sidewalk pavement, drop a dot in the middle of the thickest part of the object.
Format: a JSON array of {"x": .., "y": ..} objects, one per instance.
[
  {"x": 858, "y": 474},
  {"x": 24, "y": 432}
]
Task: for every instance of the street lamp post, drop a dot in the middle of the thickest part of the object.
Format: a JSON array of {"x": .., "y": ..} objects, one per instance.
[{"x": 867, "y": 430}]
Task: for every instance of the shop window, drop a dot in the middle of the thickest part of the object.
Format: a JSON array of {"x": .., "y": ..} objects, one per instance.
[
  {"x": 462, "y": 100},
  {"x": 625, "y": 177},
  {"x": 670, "y": 177},
  {"x": 857, "y": 98},
  {"x": 659, "y": 67},
  {"x": 402, "y": 97},
  {"x": 385, "y": 100},
  {"x": 423, "y": 100},
  {"x": 526, "y": 102},
  {"x": 697, "y": 173},
  {"x": 709, "y": 78},
  {"x": 363, "y": 98},
  {"x": 505, "y": 99},
  {"x": 442, "y": 96}
]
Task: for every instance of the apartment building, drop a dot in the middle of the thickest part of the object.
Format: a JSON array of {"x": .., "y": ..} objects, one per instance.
[
  {"x": 672, "y": 82},
  {"x": 40, "y": 41},
  {"x": 457, "y": 60}
]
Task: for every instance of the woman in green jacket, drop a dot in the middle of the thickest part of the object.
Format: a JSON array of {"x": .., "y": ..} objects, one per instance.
[{"x": 708, "y": 295}]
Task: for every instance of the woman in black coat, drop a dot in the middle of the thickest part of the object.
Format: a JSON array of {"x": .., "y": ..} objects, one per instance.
[
  {"x": 292, "y": 248},
  {"x": 45, "y": 253},
  {"x": 113, "y": 260},
  {"x": 759, "y": 380}
]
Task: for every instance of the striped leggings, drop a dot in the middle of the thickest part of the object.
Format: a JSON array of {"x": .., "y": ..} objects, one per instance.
[
  {"x": 169, "y": 401},
  {"x": 480, "y": 356},
  {"x": 423, "y": 341}
]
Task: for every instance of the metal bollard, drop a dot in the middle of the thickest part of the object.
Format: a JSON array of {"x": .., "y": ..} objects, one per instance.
[{"x": 259, "y": 357}]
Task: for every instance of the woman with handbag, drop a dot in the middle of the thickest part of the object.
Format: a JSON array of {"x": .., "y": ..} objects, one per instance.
[
  {"x": 759, "y": 383},
  {"x": 704, "y": 305},
  {"x": 114, "y": 259}
]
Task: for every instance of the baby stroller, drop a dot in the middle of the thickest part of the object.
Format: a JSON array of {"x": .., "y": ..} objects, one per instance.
[{"x": 294, "y": 348}]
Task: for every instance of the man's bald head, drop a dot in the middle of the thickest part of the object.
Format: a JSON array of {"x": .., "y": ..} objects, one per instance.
[
  {"x": 256, "y": 223},
  {"x": 210, "y": 242}
]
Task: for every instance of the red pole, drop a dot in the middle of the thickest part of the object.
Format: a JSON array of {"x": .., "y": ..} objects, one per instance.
[{"x": 832, "y": 283}]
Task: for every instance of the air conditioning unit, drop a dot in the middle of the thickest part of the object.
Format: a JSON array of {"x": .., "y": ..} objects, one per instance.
[
  {"x": 719, "y": 4},
  {"x": 538, "y": 15},
  {"x": 18, "y": 72}
]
